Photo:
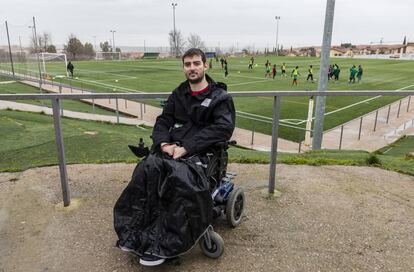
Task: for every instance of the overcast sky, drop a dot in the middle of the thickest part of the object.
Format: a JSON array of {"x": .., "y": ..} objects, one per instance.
[{"x": 219, "y": 22}]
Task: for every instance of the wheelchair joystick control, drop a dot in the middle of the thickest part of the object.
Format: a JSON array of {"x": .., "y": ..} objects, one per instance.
[
  {"x": 141, "y": 143},
  {"x": 141, "y": 150}
]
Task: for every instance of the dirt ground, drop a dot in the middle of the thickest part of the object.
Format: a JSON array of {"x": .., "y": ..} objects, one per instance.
[{"x": 330, "y": 218}]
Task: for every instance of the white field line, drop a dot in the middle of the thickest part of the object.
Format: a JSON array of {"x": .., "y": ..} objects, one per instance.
[
  {"x": 269, "y": 122},
  {"x": 246, "y": 83},
  {"x": 264, "y": 119},
  {"x": 236, "y": 74},
  {"x": 113, "y": 80},
  {"x": 137, "y": 68},
  {"x": 112, "y": 86},
  {"x": 255, "y": 115},
  {"x": 293, "y": 121},
  {"x": 7, "y": 82},
  {"x": 360, "y": 102},
  {"x": 103, "y": 72}
]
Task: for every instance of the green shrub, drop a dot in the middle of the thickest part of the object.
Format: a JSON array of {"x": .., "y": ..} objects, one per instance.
[{"x": 373, "y": 160}]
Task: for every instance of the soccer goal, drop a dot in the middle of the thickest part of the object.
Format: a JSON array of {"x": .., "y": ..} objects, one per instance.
[
  {"x": 108, "y": 56},
  {"x": 53, "y": 64}
]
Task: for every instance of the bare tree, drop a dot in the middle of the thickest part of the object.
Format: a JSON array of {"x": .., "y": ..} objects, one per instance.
[
  {"x": 45, "y": 40},
  {"x": 195, "y": 41},
  {"x": 177, "y": 43},
  {"x": 44, "y": 43}
]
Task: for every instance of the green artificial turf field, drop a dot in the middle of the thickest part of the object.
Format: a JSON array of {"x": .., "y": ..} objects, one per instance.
[{"x": 163, "y": 75}]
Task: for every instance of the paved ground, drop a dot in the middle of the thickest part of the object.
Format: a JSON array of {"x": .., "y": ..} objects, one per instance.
[{"x": 330, "y": 218}]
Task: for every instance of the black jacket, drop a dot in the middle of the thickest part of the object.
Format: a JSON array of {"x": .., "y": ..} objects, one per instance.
[{"x": 195, "y": 122}]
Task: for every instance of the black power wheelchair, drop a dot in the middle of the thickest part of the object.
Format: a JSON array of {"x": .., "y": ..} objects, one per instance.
[{"x": 228, "y": 200}]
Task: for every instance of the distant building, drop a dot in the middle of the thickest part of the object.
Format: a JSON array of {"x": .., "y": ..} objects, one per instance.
[
  {"x": 409, "y": 48},
  {"x": 337, "y": 52}
]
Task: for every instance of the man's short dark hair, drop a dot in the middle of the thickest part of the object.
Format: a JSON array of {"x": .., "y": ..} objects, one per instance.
[{"x": 194, "y": 52}]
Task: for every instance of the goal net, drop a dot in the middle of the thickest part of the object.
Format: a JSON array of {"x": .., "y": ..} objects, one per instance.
[
  {"x": 108, "y": 56},
  {"x": 53, "y": 64}
]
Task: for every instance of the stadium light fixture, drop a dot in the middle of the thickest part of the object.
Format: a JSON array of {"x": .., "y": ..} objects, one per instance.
[{"x": 277, "y": 34}]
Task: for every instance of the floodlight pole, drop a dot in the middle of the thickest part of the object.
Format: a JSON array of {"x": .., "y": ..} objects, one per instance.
[
  {"x": 11, "y": 57},
  {"x": 277, "y": 34},
  {"x": 37, "y": 55},
  {"x": 20, "y": 44},
  {"x": 113, "y": 40},
  {"x": 323, "y": 76},
  {"x": 175, "y": 33},
  {"x": 94, "y": 45}
]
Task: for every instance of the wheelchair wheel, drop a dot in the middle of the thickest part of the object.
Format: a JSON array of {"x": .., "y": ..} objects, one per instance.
[
  {"x": 217, "y": 245},
  {"x": 235, "y": 207}
]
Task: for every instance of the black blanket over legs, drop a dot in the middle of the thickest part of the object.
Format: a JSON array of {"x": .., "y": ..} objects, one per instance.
[{"x": 165, "y": 208}]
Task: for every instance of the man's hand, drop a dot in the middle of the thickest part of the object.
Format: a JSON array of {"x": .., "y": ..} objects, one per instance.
[
  {"x": 169, "y": 148},
  {"x": 179, "y": 152}
]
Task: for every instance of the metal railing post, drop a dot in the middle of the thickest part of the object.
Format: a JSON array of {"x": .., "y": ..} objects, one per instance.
[
  {"x": 273, "y": 153},
  {"x": 360, "y": 128},
  {"x": 253, "y": 129},
  {"x": 61, "y": 152},
  {"x": 61, "y": 108},
  {"x": 340, "y": 138},
  {"x": 408, "y": 104},
  {"x": 117, "y": 111},
  {"x": 140, "y": 107},
  {"x": 388, "y": 114},
  {"x": 376, "y": 118},
  {"x": 399, "y": 107}
]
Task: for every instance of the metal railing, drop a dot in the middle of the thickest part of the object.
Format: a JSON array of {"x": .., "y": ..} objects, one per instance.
[{"x": 277, "y": 96}]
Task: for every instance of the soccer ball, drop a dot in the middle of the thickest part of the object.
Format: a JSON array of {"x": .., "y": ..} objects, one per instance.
[
  {"x": 256, "y": 65},
  {"x": 116, "y": 80},
  {"x": 76, "y": 77},
  {"x": 238, "y": 72}
]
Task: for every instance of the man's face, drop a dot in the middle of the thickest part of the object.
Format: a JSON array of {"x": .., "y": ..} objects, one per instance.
[{"x": 194, "y": 69}]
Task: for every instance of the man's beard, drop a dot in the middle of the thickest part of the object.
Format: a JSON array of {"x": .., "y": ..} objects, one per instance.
[{"x": 196, "y": 80}]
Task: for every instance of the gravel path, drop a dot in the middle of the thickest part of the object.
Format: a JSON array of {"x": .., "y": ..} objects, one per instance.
[{"x": 329, "y": 218}]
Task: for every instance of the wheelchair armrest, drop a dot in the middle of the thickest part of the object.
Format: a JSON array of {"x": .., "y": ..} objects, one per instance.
[{"x": 224, "y": 145}]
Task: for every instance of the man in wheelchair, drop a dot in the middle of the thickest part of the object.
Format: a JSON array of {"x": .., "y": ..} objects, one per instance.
[{"x": 168, "y": 206}]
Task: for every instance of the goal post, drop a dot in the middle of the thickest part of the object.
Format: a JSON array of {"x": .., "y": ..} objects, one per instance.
[{"x": 55, "y": 58}]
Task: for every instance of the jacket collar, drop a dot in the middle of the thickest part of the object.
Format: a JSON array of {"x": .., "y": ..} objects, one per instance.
[{"x": 185, "y": 89}]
